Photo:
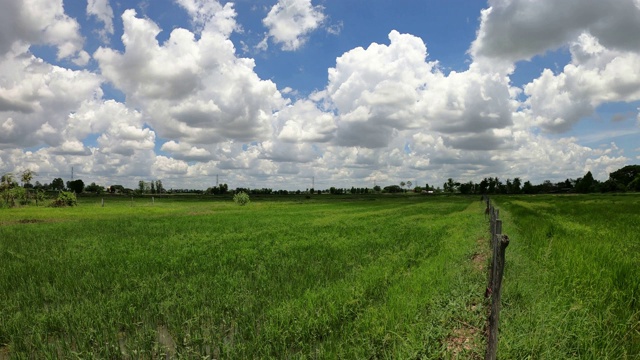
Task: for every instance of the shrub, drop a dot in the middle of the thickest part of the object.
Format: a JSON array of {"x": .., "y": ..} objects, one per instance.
[
  {"x": 241, "y": 198},
  {"x": 65, "y": 198}
]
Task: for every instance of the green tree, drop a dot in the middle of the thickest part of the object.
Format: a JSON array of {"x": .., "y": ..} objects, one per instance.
[
  {"x": 635, "y": 184},
  {"x": 7, "y": 183},
  {"x": 94, "y": 188},
  {"x": 76, "y": 186},
  {"x": 626, "y": 174},
  {"x": 449, "y": 186},
  {"x": 528, "y": 188},
  {"x": 26, "y": 177},
  {"x": 517, "y": 183},
  {"x": 159, "y": 188},
  {"x": 409, "y": 183},
  {"x": 586, "y": 184},
  {"x": 57, "y": 184}
]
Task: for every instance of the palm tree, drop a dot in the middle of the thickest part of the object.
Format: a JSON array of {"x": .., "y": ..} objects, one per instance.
[
  {"x": 26, "y": 177},
  {"x": 6, "y": 183}
]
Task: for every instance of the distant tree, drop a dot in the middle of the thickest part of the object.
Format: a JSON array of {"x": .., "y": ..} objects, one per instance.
[
  {"x": 635, "y": 184},
  {"x": 509, "y": 186},
  {"x": 141, "y": 186},
  {"x": 377, "y": 188},
  {"x": 516, "y": 186},
  {"x": 449, "y": 186},
  {"x": 153, "y": 187},
  {"x": 409, "y": 183},
  {"x": 57, "y": 184},
  {"x": 528, "y": 188},
  {"x": 466, "y": 188},
  {"x": 626, "y": 174},
  {"x": 402, "y": 185},
  {"x": 159, "y": 188},
  {"x": 117, "y": 188},
  {"x": 76, "y": 186},
  {"x": 94, "y": 188},
  {"x": 392, "y": 189},
  {"x": 7, "y": 182},
  {"x": 612, "y": 185},
  {"x": 483, "y": 187},
  {"x": 26, "y": 177},
  {"x": 586, "y": 184}
]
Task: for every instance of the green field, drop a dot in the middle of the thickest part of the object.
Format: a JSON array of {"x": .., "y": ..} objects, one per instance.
[
  {"x": 326, "y": 277},
  {"x": 371, "y": 277},
  {"x": 572, "y": 277}
]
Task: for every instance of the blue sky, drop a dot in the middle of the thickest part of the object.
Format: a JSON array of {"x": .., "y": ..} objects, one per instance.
[{"x": 351, "y": 93}]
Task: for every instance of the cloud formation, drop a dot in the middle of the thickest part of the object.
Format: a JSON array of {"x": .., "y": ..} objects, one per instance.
[
  {"x": 290, "y": 22},
  {"x": 387, "y": 111}
]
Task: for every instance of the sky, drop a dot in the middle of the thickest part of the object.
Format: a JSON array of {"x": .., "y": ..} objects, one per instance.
[{"x": 290, "y": 94}]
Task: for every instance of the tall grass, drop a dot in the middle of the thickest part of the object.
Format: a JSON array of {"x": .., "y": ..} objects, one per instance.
[
  {"x": 377, "y": 277},
  {"x": 572, "y": 282}
]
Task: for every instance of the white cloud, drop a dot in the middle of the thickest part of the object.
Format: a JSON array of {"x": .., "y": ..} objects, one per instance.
[
  {"x": 383, "y": 89},
  {"x": 183, "y": 151},
  {"x": 39, "y": 22},
  {"x": 211, "y": 16},
  {"x": 290, "y": 22},
  {"x": 36, "y": 98},
  {"x": 304, "y": 122},
  {"x": 103, "y": 11},
  {"x": 595, "y": 76},
  {"x": 195, "y": 91}
]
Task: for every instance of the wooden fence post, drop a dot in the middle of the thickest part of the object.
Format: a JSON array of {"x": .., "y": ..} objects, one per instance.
[{"x": 494, "y": 316}]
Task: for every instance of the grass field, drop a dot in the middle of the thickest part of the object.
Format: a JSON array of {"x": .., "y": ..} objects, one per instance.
[
  {"x": 572, "y": 277},
  {"x": 326, "y": 277}
]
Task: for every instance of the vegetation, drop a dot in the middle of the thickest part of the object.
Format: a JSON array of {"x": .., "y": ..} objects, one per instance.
[
  {"x": 572, "y": 280},
  {"x": 331, "y": 277},
  {"x": 65, "y": 198},
  {"x": 241, "y": 198}
]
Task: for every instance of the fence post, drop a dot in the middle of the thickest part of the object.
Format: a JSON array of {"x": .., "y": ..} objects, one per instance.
[
  {"x": 494, "y": 316},
  {"x": 495, "y": 247},
  {"x": 102, "y": 202}
]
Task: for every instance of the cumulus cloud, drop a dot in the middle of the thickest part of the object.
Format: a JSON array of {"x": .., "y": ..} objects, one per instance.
[
  {"x": 304, "y": 122},
  {"x": 36, "y": 98},
  {"x": 211, "y": 16},
  {"x": 195, "y": 90},
  {"x": 383, "y": 89},
  {"x": 39, "y": 22},
  {"x": 596, "y": 75},
  {"x": 186, "y": 152},
  {"x": 290, "y": 22},
  {"x": 103, "y": 11},
  {"x": 520, "y": 29}
]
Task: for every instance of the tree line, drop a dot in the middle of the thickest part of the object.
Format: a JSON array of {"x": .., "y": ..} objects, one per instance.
[
  {"x": 621, "y": 180},
  {"x": 624, "y": 179}
]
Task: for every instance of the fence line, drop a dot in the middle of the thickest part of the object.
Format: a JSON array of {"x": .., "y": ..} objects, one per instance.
[{"x": 498, "y": 242}]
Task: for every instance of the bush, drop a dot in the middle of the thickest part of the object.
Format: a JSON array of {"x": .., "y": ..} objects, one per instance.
[
  {"x": 65, "y": 198},
  {"x": 241, "y": 198}
]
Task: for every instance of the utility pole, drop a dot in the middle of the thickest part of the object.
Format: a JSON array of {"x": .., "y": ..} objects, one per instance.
[
  {"x": 313, "y": 182},
  {"x": 72, "y": 173}
]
